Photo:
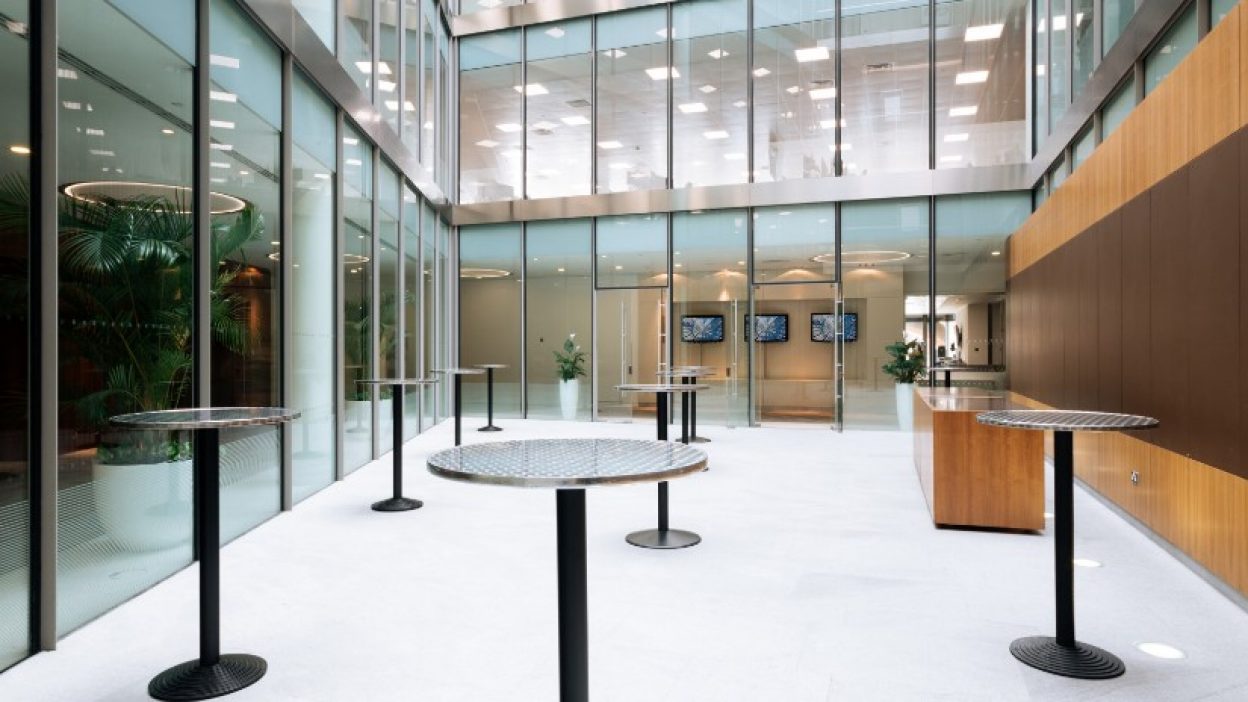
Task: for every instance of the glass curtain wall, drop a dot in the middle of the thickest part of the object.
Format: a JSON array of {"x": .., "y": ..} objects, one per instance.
[
  {"x": 411, "y": 117},
  {"x": 15, "y": 155},
  {"x": 710, "y": 289},
  {"x": 491, "y": 117},
  {"x": 1115, "y": 16},
  {"x": 388, "y": 60},
  {"x": 884, "y": 264},
  {"x": 632, "y": 104},
  {"x": 885, "y": 83},
  {"x": 357, "y": 297},
  {"x": 245, "y": 113},
  {"x": 1040, "y": 68},
  {"x": 355, "y": 40},
  {"x": 558, "y": 97},
  {"x": 558, "y": 288},
  {"x": 1059, "y": 61},
  {"x": 447, "y": 355},
  {"x": 1173, "y": 47},
  {"x": 428, "y": 64},
  {"x": 981, "y": 105},
  {"x": 431, "y": 405},
  {"x": 1117, "y": 108},
  {"x": 314, "y": 274},
  {"x": 388, "y": 300},
  {"x": 794, "y": 89},
  {"x": 491, "y": 295},
  {"x": 321, "y": 16},
  {"x": 1083, "y": 56},
  {"x": 410, "y": 309},
  {"x": 124, "y": 321},
  {"x": 710, "y": 115}
]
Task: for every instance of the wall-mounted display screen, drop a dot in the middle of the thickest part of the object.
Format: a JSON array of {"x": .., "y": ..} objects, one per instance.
[
  {"x": 701, "y": 329},
  {"x": 769, "y": 327},
  {"x": 823, "y": 326}
]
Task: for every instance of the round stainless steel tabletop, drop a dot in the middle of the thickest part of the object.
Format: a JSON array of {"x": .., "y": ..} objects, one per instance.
[
  {"x": 567, "y": 463},
  {"x": 491, "y": 366},
  {"x": 1065, "y": 420},
  {"x": 205, "y": 418},
  {"x": 460, "y": 371},
  {"x": 661, "y": 387},
  {"x": 399, "y": 381}
]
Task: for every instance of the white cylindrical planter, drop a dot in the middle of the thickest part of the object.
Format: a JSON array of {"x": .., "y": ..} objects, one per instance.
[
  {"x": 905, "y": 405},
  {"x": 146, "y": 506},
  {"x": 569, "y": 394}
]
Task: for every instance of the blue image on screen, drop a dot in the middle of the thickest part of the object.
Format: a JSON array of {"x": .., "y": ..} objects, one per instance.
[
  {"x": 851, "y": 326},
  {"x": 823, "y": 327},
  {"x": 769, "y": 327},
  {"x": 702, "y": 330}
]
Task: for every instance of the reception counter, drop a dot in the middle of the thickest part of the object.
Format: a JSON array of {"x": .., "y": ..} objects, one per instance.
[{"x": 974, "y": 475}]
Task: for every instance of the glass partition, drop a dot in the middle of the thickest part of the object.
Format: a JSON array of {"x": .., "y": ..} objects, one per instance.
[
  {"x": 632, "y": 105},
  {"x": 491, "y": 294},
  {"x": 491, "y": 117},
  {"x": 1040, "y": 72},
  {"x": 428, "y": 106},
  {"x": 320, "y": 16},
  {"x": 1084, "y": 60},
  {"x": 388, "y": 301},
  {"x": 1117, "y": 13},
  {"x": 431, "y": 408},
  {"x": 357, "y": 298},
  {"x": 1084, "y": 145},
  {"x": 411, "y": 114},
  {"x": 412, "y": 322},
  {"x": 794, "y": 374},
  {"x": 630, "y": 346},
  {"x": 1117, "y": 108},
  {"x": 558, "y": 100},
  {"x": 387, "y": 95},
  {"x": 632, "y": 251},
  {"x": 1059, "y": 61},
  {"x": 313, "y": 272},
  {"x": 355, "y": 47},
  {"x": 1174, "y": 46},
  {"x": 795, "y": 244},
  {"x": 558, "y": 294}
]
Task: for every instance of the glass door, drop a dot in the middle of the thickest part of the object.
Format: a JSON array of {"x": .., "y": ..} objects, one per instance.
[
  {"x": 631, "y": 347},
  {"x": 797, "y": 333}
]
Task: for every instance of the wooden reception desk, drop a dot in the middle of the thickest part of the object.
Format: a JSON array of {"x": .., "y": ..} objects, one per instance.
[{"x": 975, "y": 475}]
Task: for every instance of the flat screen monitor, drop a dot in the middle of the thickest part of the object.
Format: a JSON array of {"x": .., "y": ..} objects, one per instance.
[
  {"x": 769, "y": 328},
  {"x": 823, "y": 326},
  {"x": 702, "y": 329}
]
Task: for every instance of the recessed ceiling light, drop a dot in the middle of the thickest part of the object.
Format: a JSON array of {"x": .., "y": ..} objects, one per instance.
[
  {"x": 863, "y": 258},
  {"x": 1161, "y": 650},
  {"x": 998, "y": 253},
  {"x": 717, "y": 54},
  {"x": 531, "y": 89},
  {"x": 508, "y": 127},
  {"x": 216, "y": 180},
  {"x": 615, "y": 53},
  {"x": 101, "y": 152},
  {"x": 822, "y": 93},
  {"x": 219, "y": 164},
  {"x": 560, "y": 270},
  {"x": 662, "y": 73},
  {"x": 71, "y": 105},
  {"x": 386, "y": 86},
  {"x": 167, "y": 131},
  {"x": 715, "y": 134},
  {"x": 482, "y": 273},
  {"x": 556, "y": 32},
  {"x": 739, "y": 103},
  {"x": 354, "y": 162},
  {"x": 20, "y": 150},
  {"x": 392, "y": 105},
  {"x": 223, "y": 61},
  {"x": 954, "y": 138},
  {"x": 67, "y": 73},
  {"x": 708, "y": 88},
  {"x": 964, "y": 111},
  {"x": 761, "y": 71},
  {"x": 222, "y": 96},
  {"x": 970, "y": 77},
  {"x": 734, "y": 157},
  {"x": 226, "y": 124},
  {"x": 364, "y": 67},
  {"x": 349, "y": 141},
  {"x": 678, "y": 265},
  {"x": 619, "y": 268},
  {"x": 221, "y": 147},
  {"x": 487, "y": 143},
  {"x": 1086, "y": 563},
  {"x": 793, "y": 90},
  {"x": 383, "y": 69},
  {"x": 984, "y": 32},
  {"x": 489, "y": 4},
  {"x": 691, "y": 107},
  {"x": 575, "y": 120},
  {"x": 827, "y": 123},
  {"x": 322, "y": 176},
  {"x": 1040, "y": 69},
  {"x": 1059, "y": 23},
  {"x": 92, "y": 131},
  {"x": 814, "y": 53},
  {"x": 609, "y": 144}
]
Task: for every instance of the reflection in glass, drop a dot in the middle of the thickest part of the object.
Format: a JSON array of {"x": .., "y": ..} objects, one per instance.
[
  {"x": 491, "y": 117},
  {"x": 432, "y": 408},
  {"x": 1040, "y": 67},
  {"x": 1059, "y": 61},
  {"x": 884, "y": 268},
  {"x": 15, "y": 576},
  {"x": 491, "y": 286},
  {"x": 355, "y": 50},
  {"x": 794, "y": 99},
  {"x": 1117, "y": 13},
  {"x": 1118, "y": 107},
  {"x": 1085, "y": 143},
  {"x": 795, "y": 243},
  {"x": 428, "y": 107},
  {"x": 885, "y": 112},
  {"x": 357, "y": 297},
  {"x": 709, "y": 110},
  {"x": 632, "y": 251},
  {"x": 387, "y": 100},
  {"x": 411, "y": 311},
  {"x": 311, "y": 387},
  {"x": 632, "y": 106},
  {"x": 558, "y": 288},
  {"x": 411, "y": 114},
  {"x": 1173, "y": 47},
  {"x": 631, "y": 328},
  {"x": 981, "y": 99},
  {"x": 387, "y": 232},
  {"x": 319, "y": 14},
  {"x": 1083, "y": 54},
  {"x": 124, "y": 321},
  {"x": 558, "y": 98},
  {"x": 794, "y": 380}
]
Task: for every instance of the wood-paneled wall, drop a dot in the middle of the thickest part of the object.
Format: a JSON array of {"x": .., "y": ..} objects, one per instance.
[{"x": 1129, "y": 292}]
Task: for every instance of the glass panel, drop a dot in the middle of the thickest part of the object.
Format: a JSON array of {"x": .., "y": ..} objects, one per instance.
[
  {"x": 411, "y": 118},
  {"x": 355, "y": 50},
  {"x": 387, "y": 231},
  {"x": 971, "y": 233},
  {"x": 446, "y": 281},
  {"x": 124, "y": 498},
  {"x": 795, "y": 244},
  {"x": 357, "y": 297},
  {"x": 1117, "y": 14},
  {"x": 630, "y": 348},
  {"x": 632, "y": 251},
  {"x": 1178, "y": 41},
  {"x": 558, "y": 292},
  {"x": 1085, "y": 143},
  {"x": 1057, "y": 175},
  {"x": 319, "y": 14},
  {"x": 981, "y": 95},
  {"x": 884, "y": 265},
  {"x": 884, "y": 74},
  {"x": 444, "y": 135},
  {"x": 1059, "y": 61},
  {"x": 1083, "y": 45},
  {"x": 388, "y": 63},
  {"x": 794, "y": 381},
  {"x": 1117, "y": 108},
  {"x": 709, "y": 111},
  {"x": 794, "y": 102},
  {"x": 491, "y": 286},
  {"x": 428, "y": 106},
  {"x": 1041, "y": 77},
  {"x": 429, "y": 298},
  {"x": 712, "y": 283},
  {"x": 411, "y": 310},
  {"x": 15, "y": 576},
  {"x": 311, "y": 388},
  {"x": 491, "y": 118},
  {"x": 632, "y": 107},
  {"x": 1219, "y": 9},
  {"x": 1039, "y": 195},
  {"x": 469, "y": 6},
  {"x": 558, "y": 94}
]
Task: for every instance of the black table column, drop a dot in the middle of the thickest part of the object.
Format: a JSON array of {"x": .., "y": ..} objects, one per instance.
[
  {"x": 665, "y": 537},
  {"x": 458, "y": 391},
  {"x": 397, "y": 502},
  {"x": 573, "y": 597},
  {"x": 489, "y": 402}
]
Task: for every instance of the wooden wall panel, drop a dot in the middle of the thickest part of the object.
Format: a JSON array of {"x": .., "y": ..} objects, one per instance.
[
  {"x": 1137, "y": 317},
  {"x": 1086, "y": 313},
  {"x": 1170, "y": 280},
  {"x": 1109, "y": 333},
  {"x": 1213, "y": 93}
]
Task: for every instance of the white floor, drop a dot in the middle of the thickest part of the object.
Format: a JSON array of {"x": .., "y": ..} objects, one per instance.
[{"x": 820, "y": 578}]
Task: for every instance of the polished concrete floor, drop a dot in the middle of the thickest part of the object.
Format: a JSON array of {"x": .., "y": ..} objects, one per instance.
[{"x": 820, "y": 578}]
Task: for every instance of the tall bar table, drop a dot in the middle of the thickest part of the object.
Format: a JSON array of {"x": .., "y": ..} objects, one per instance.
[
  {"x": 569, "y": 466},
  {"x": 213, "y": 674},
  {"x": 459, "y": 373},
  {"x": 689, "y": 403},
  {"x": 397, "y": 502},
  {"x": 663, "y": 537},
  {"x": 1063, "y": 654},
  {"x": 489, "y": 369}
]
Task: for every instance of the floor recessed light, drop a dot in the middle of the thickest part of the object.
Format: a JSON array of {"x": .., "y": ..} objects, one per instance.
[
  {"x": 1161, "y": 650},
  {"x": 1086, "y": 563}
]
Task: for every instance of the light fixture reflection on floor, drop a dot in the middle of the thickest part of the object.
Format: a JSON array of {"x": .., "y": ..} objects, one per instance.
[
  {"x": 1086, "y": 563},
  {"x": 120, "y": 191},
  {"x": 1161, "y": 650},
  {"x": 863, "y": 258},
  {"x": 483, "y": 273}
]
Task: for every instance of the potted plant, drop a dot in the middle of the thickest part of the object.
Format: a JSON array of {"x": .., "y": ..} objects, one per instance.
[
  {"x": 569, "y": 365},
  {"x": 906, "y": 364}
]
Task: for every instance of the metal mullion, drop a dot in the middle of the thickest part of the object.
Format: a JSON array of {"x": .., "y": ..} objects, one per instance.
[
  {"x": 671, "y": 65},
  {"x": 838, "y": 103},
  {"x": 42, "y": 389},
  {"x": 375, "y": 29},
  {"x": 593, "y": 317},
  {"x": 285, "y": 281},
  {"x": 1070, "y": 53},
  {"x": 1204, "y": 18},
  {"x": 400, "y": 73},
  {"x": 524, "y": 113},
  {"x": 749, "y": 92},
  {"x": 839, "y": 380},
  {"x": 1098, "y": 26},
  {"x": 524, "y": 318},
  {"x": 752, "y": 416},
  {"x": 374, "y": 305},
  {"x": 204, "y": 263},
  {"x": 593, "y": 104},
  {"x": 931, "y": 85},
  {"x": 340, "y": 287},
  {"x": 931, "y": 286}
]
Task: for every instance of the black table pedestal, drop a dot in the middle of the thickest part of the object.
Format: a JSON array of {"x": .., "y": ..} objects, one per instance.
[
  {"x": 693, "y": 416},
  {"x": 212, "y": 674},
  {"x": 397, "y": 503},
  {"x": 458, "y": 394},
  {"x": 663, "y": 537},
  {"x": 1062, "y": 654},
  {"x": 573, "y": 597},
  {"x": 489, "y": 402}
]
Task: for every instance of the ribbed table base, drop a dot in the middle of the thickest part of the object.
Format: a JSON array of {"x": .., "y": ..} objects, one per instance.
[
  {"x": 397, "y": 504},
  {"x": 1083, "y": 661},
  {"x": 193, "y": 681},
  {"x": 663, "y": 538}
]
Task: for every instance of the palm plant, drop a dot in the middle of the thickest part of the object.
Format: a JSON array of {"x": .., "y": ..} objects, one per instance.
[{"x": 570, "y": 363}]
